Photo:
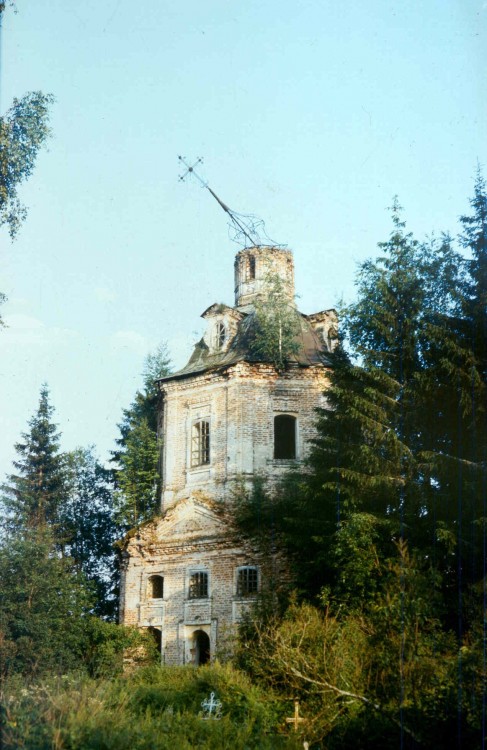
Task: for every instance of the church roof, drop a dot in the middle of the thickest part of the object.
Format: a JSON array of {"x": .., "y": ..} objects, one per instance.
[{"x": 310, "y": 349}]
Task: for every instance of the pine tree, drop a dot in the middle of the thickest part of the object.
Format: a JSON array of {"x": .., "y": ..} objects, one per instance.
[{"x": 33, "y": 495}]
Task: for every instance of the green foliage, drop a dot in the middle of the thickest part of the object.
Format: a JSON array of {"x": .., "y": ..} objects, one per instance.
[
  {"x": 137, "y": 476},
  {"x": 88, "y": 528},
  {"x": 109, "y": 644},
  {"x": 370, "y": 676},
  {"x": 277, "y": 324},
  {"x": 33, "y": 496},
  {"x": 153, "y": 709},
  {"x": 23, "y": 131},
  {"x": 43, "y": 603}
]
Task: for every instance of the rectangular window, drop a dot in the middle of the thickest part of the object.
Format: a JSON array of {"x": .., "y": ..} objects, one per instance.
[
  {"x": 247, "y": 581},
  {"x": 198, "y": 586},
  {"x": 200, "y": 443},
  {"x": 285, "y": 436}
]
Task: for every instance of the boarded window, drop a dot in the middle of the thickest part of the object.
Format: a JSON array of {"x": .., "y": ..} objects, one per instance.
[
  {"x": 200, "y": 443},
  {"x": 247, "y": 581},
  {"x": 284, "y": 436},
  {"x": 156, "y": 587},
  {"x": 198, "y": 585}
]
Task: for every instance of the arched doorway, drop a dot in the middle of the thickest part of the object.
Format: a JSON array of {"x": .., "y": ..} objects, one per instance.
[{"x": 201, "y": 644}]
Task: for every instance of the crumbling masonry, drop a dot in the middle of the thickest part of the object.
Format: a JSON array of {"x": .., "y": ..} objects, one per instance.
[{"x": 226, "y": 417}]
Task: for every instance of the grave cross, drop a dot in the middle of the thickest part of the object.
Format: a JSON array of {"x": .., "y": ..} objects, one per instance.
[
  {"x": 296, "y": 719},
  {"x": 211, "y": 707}
]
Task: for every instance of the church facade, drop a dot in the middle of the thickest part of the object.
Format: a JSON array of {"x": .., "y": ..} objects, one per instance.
[{"x": 226, "y": 418}]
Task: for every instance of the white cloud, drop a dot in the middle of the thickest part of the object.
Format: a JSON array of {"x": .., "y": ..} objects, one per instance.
[{"x": 23, "y": 330}]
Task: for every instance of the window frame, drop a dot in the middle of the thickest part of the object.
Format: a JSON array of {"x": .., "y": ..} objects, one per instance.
[
  {"x": 194, "y": 594},
  {"x": 220, "y": 335},
  {"x": 200, "y": 443},
  {"x": 243, "y": 592}
]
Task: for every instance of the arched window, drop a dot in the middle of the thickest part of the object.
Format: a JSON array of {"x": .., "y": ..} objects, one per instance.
[
  {"x": 200, "y": 443},
  {"x": 247, "y": 581},
  {"x": 251, "y": 268},
  {"x": 284, "y": 436},
  {"x": 221, "y": 334},
  {"x": 156, "y": 587}
]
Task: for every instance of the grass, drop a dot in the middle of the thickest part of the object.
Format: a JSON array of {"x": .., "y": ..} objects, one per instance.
[{"x": 156, "y": 708}]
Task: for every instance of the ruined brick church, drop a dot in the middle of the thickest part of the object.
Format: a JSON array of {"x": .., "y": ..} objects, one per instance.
[{"x": 225, "y": 418}]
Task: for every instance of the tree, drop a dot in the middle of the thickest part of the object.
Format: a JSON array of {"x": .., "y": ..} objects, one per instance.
[
  {"x": 277, "y": 324},
  {"x": 33, "y": 496},
  {"x": 137, "y": 476},
  {"x": 23, "y": 131},
  {"x": 88, "y": 526},
  {"x": 43, "y": 605}
]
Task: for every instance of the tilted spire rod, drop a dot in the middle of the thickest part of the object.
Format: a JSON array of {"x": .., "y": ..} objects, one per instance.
[{"x": 245, "y": 226}]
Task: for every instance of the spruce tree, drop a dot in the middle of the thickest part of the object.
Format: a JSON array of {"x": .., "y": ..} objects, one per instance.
[
  {"x": 33, "y": 495},
  {"x": 44, "y": 602},
  {"x": 137, "y": 472}
]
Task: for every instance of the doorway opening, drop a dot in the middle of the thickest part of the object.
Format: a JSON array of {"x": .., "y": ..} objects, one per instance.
[
  {"x": 201, "y": 644},
  {"x": 156, "y": 633}
]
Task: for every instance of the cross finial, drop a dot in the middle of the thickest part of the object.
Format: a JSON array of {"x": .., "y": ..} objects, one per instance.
[
  {"x": 190, "y": 170},
  {"x": 247, "y": 230}
]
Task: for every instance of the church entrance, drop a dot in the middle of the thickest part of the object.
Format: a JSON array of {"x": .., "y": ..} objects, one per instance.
[{"x": 201, "y": 646}]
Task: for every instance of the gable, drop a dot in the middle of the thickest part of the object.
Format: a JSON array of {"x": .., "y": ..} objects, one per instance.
[{"x": 189, "y": 519}]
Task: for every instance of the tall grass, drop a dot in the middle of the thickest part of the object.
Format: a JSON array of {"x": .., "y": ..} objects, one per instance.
[{"x": 156, "y": 708}]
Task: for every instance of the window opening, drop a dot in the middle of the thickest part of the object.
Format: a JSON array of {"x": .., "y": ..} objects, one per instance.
[
  {"x": 156, "y": 587},
  {"x": 198, "y": 586},
  {"x": 200, "y": 443},
  {"x": 220, "y": 335},
  {"x": 247, "y": 581},
  {"x": 251, "y": 267},
  {"x": 284, "y": 436}
]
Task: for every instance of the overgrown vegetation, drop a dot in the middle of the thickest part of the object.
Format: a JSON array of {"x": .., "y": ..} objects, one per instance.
[
  {"x": 386, "y": 527},
  {"x": 158, "y": 708},
  {"x": 277, "y": 324}
]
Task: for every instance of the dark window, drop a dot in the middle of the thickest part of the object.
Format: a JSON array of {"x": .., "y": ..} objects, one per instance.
[
  {"x": 220, "y": 335},
  {"x": 156, "y": 587},
  {"x": 247, "y": 581},
  {"x": 284, "y": 436},
  {"x": 251, "y": 267},
  {"x": 200, "y": 443},
  {"x": 198, "y": 586}
]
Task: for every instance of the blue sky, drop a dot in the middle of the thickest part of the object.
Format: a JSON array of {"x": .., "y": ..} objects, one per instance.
[{"x": 311, "y": 114}]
